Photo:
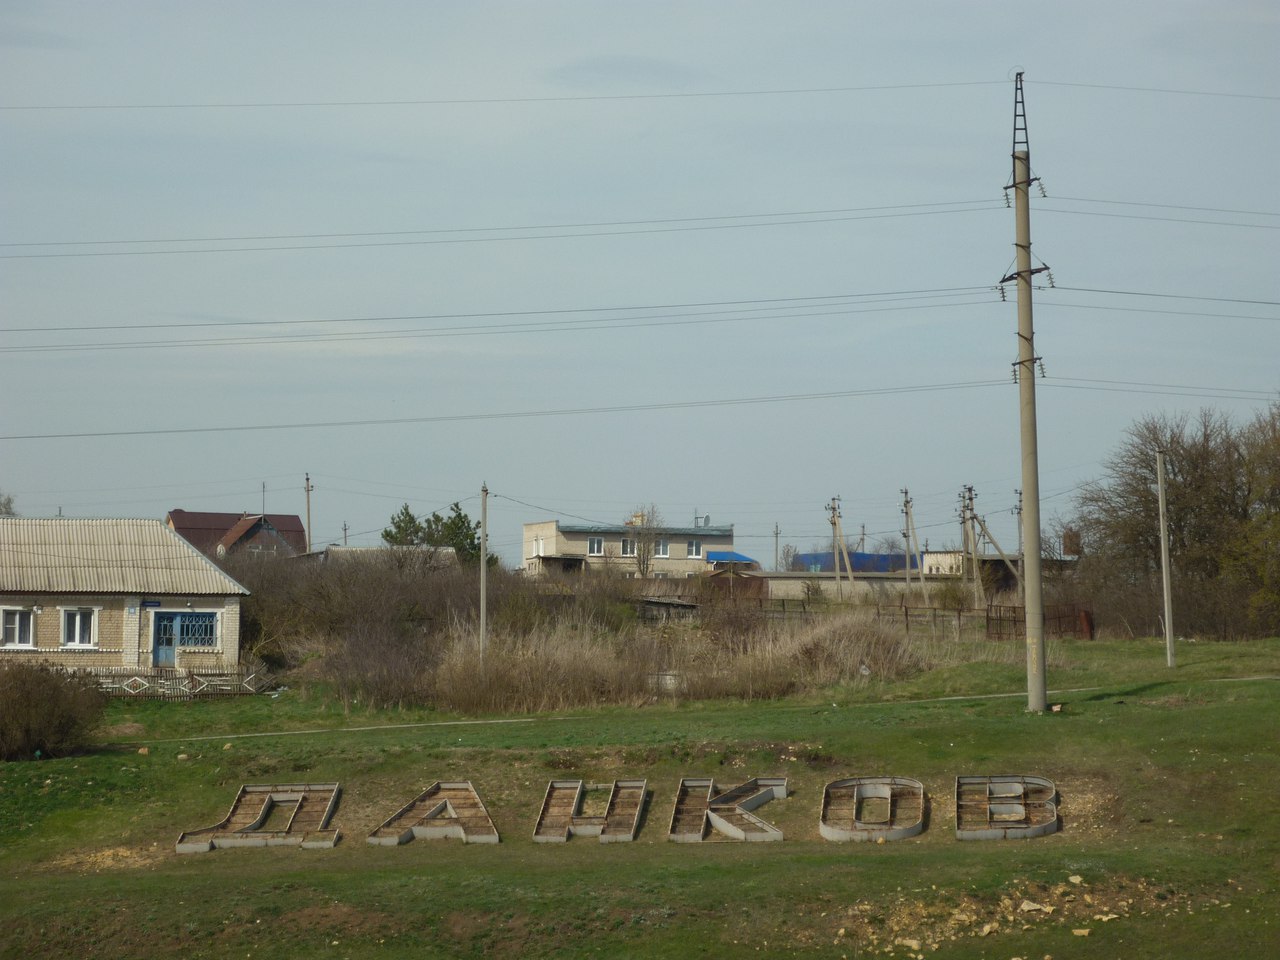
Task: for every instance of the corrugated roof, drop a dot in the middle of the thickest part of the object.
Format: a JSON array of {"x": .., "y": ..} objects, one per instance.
[
  {"x": 727, "y": 556},
  {"x": 104, "y": 556}
]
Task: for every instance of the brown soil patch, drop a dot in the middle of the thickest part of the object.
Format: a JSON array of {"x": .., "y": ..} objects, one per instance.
[
  {"x": 110, "y": 858},
  {"x": 1088, "y": 807},
  {"x": 917, "y": 927}
]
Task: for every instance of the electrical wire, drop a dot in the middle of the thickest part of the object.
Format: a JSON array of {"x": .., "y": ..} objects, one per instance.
[
  {"x": 461, "y": 101},
  {"x": 770, "y": 302},
  {"x": 1185, "y": 93},
  {"x": 503, "y": 239},
  {"x": 539, "y": 226},
  {"x": 566, "y": 326},
  {"x": 518, "y": 415},
  {"x": 1134, "y": 216}
]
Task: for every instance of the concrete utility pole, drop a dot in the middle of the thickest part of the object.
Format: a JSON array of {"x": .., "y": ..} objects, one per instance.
[
  {"x": 1166, "y": 574},
  {"x": 1025, "y": 371},
  {"x": 307, "y": 488},
  {"x": 833, "y": 508},
  {"x": 969, "y": 531},
  {"x": 776, "y": 534},
  {"x": 484, "y": 566}
]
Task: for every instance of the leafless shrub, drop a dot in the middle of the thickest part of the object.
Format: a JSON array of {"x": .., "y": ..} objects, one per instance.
[{"x": 45, "y": 711}]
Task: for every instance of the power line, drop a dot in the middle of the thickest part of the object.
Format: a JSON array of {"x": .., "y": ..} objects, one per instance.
[
  {"x": 504, "y": 239},
  {"x": 1060, "y": 305},
  {"x": 771, "y": 302},
  {"x": 1134, "y": 216},
  {"x": 1162, "y": 206},
  {"x": 1169, "y": 296},
  {"x": 1161, "y": 389},
  {"x": 536, "y": 226},
  {"x": 335, "y": 235},
  {"x": 516, "y": 415},
  {"x": 1122, "y": 386},
  {"x": 1185, "y": 93},
  {"x": 565, "y": 326},
  {"x": 463, "y": 101}
]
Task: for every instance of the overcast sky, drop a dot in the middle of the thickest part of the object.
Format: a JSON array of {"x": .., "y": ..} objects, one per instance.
[{"x": 732, "y": 258}]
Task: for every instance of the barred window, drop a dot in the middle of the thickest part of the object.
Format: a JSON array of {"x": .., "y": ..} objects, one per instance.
[{"x": 197, "y": 630}]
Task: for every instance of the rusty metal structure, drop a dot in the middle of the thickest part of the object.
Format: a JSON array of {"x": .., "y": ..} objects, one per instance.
[
  {"x": 872, "y": 809},
  {"x": 1005, "y": 807}
]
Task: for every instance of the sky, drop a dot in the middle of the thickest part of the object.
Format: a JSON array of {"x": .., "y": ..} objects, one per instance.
[{"x": 732, "y": 259}]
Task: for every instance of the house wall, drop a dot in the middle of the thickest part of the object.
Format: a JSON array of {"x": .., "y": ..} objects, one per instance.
[
  {"x": 124, "y": 631},
  {"x": 541, "y": 540}
]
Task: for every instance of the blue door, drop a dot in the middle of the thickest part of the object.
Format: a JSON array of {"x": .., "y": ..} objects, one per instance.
[{"x": 163, "y": 643}]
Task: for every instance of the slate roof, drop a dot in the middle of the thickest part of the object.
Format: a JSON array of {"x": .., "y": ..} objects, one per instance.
[{"x": 104, "y": 556}]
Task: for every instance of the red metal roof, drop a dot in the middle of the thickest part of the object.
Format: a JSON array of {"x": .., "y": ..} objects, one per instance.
[{"x": 205, "y": 531}]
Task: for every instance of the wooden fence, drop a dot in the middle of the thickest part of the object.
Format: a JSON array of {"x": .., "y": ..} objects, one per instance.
[{"x": 161, "y": 683}]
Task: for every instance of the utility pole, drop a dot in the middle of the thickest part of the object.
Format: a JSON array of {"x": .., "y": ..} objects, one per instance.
[
  {"x": 344, "y": 533},
  {"x": 307, "y": 488},
  {"x": 833, "y": 508},
  {"x": 1165, "y": 574},
  {"x": 484, "y": 566},
  {"x": 909, "y": 538},
  {"x": 1025, "y": 372},
  {"x": 1022, "y": 570},
  {"x": 776, "y": 534},
  {"x": 969, "y": 531}
]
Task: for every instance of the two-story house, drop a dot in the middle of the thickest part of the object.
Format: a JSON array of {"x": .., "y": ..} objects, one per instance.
[{"x": 628, "y": 549}]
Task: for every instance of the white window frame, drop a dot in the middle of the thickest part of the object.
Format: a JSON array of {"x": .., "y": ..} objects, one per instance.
[
  {"x": 17, "y": 613},
  {"x": 595, "y": 546},
  {"x": 628, "y": 547},
  {"x": 694, "y": 548},
  {"x": 662, "y": 548},
  {"x": 92, "y": 613}
]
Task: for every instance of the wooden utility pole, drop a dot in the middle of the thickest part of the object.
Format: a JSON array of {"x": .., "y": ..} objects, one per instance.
[{"x": 1025, "y": 371}]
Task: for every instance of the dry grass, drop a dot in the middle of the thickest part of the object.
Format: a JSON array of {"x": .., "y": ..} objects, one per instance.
[{"x": 575, "y": 664}]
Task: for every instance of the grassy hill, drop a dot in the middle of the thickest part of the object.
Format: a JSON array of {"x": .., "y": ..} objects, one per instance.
[{"x": 1167, "y": 778}]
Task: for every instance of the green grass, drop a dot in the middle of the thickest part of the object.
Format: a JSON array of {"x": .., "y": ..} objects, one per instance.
[{"x": 1167, "y": 783}]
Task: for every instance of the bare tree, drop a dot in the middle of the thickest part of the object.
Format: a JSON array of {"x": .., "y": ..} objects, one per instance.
[
  {"x": 647, "y": 529},
  {"x": 1223, "y": 517}
]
